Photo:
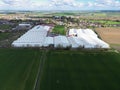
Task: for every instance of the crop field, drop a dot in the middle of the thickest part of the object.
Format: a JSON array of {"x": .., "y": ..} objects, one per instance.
[
  {"x": 18, "y": 68},
  {"x": 81, "y": 71},
  {"x": 63, "y": 14},
  {"x": 110, "y": 35},
  {"x": 106, "y": 22},
  {"x": 62, "y": 70}
]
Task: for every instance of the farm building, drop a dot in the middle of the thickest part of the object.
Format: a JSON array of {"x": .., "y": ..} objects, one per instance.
[
  {"x": 48, "y": 42},
  {"x": 73, "y": 43},
  {"x": 61, "y": 41},
  {"x": 77, "y": 42},
  {"x": 78, "y": 38},
  {"x": 33, "y": 38},
  {"x": 86, "y": 38},
  {"x": 22, "y": 27},
  {"x": 25, "y": 25}
]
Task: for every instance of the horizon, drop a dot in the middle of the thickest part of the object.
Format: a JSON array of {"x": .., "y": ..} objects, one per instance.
[
  {"x": 58, "y": 11},
  {"x": 54, "y": 5}
]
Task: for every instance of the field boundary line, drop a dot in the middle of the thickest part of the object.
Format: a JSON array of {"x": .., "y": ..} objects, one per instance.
[{"x": 40, "y": 70}]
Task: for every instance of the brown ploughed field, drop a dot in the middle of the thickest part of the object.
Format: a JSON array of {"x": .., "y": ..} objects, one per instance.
[{"x": 110, "y": 35}]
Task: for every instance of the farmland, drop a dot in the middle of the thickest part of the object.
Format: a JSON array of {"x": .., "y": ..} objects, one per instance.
[
  {"x": 106, "y": 22},
  {"x": 81, "y": 71},
  {"x": 110, "y": 35},
  {"x": 18, "y": 68},
  {"x": 63, "y": 70}
]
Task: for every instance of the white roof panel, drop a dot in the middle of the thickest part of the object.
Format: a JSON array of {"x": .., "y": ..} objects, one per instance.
[
  {"x": 48, "y": 41},
  {"x": 61, "y": 41}
]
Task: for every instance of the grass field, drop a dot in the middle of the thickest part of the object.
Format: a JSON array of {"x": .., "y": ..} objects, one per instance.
[
  {"x": 64, "y": 14},
  {"x": 18, "y": 68},
  {"x": 59, "y": 29},
  {"x": 4, "y": 35},
  {"x": 63, "y": 70},
  {"x": 81, "y": 71},
  {"x": 5, "y": 26},
  {"x": 106, "y": 22}
]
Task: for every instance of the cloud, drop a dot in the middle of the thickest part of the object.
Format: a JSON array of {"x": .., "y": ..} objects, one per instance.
[
  {"x": 13, "y": 2},
  {"x": 108, "y": 3},
  {"x": 59, "y": 4},
  {"x": 8, "y": 1},
  {"x": 71, "y": 3},
  {"x": 67, "y": 4},
  {"x": 74, "y": 4}
]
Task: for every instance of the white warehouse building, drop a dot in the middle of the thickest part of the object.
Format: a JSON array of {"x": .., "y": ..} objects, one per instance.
[
  {"x": 86, "y": 38},
  {"x": 48, "y": 41},
  {"x": 61, "y": 41},
  {"x": 33, "y": 38},
  {"x": 37, "y": 37}
]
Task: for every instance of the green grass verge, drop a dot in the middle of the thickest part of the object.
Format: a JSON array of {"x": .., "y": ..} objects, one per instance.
[
  {"x": 18, "y": 68},
  {"x": 59, "y": 29},
  {"x": 81, "y": 71}
]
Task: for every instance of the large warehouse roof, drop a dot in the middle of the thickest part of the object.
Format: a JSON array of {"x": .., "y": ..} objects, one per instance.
[
  {"x": 37, "y": 37},
  {"x": 34, "y": 37},
  {"x": 61, "y": 41},
  {"x": 87, "y": 38},
  {"x": 48, "y": 41}
]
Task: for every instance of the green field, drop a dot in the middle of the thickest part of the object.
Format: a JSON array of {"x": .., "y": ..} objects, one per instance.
[
  {"x": 64, "y": 14},
  {"x": 81, "y": 71},
  {"x": 4, "y": 35},
  {"x": 5, "y": 27},
  {"x": 63, "y": 70},
  {"x": 59, "y": 29},
  {"x": 106, "y": 22},
  {"x": 18, "y": 68}
]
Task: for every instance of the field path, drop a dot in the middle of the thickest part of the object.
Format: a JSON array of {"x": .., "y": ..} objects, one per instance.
[{"x": 40, "y": 70}]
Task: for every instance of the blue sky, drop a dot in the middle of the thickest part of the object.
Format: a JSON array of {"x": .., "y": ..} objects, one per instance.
[{"x": 59, "y": 4}]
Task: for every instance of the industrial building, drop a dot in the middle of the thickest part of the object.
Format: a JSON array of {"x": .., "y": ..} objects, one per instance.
[
  {"x": 77, "y": 38},
  {"x": 86, "y": 38}
]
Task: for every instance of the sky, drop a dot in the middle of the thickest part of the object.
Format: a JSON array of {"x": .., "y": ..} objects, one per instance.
[{"x": 59, "y": 4}]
